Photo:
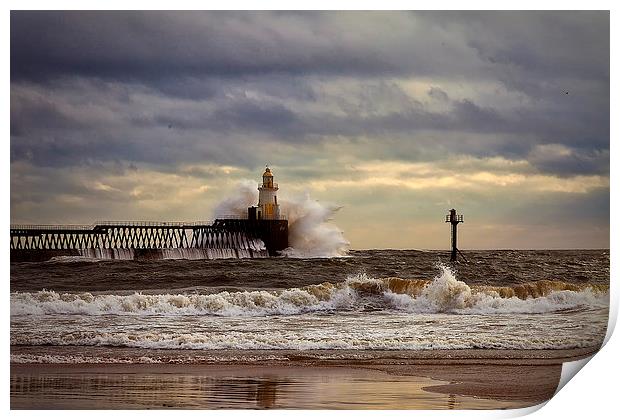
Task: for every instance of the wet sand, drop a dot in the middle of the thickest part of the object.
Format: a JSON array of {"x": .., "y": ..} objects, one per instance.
[{"x": 465, "y": 379}]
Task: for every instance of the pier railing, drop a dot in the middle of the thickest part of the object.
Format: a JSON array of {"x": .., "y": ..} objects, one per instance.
[
  {"x": 127, "y": 223},
  {"x": 151, "y": 223},
  {"x": 52, "y": 227},
  {"x": 110, "y": 223}
]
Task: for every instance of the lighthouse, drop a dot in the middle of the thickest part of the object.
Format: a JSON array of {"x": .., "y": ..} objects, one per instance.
[
  {"x": 268, "y": 207},
  {"x": 264, "y": 220}
]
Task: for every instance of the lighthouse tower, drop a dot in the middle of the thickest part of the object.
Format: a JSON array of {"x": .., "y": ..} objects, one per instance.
[{"x": 268, "y": 207}]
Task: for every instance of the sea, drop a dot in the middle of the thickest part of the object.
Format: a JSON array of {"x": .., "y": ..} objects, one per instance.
[{"x": 86, "y": 310}]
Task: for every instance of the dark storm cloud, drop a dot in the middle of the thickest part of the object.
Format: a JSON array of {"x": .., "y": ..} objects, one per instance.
[
  {"x": 559, "y": 160},
  {"x": 153, "y": 45},
  {"x": 174, "y": 87},
  {"x": 55, "y": 131}
]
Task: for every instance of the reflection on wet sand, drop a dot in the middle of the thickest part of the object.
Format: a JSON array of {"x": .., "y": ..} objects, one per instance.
[
  {"x": 142, "y": 387},
  {"x": 266, "y": 394},
  {"x": 451, "y": 401}
]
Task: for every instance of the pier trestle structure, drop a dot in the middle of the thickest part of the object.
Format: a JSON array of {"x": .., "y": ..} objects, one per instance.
[{"x": 150, "y": 240}]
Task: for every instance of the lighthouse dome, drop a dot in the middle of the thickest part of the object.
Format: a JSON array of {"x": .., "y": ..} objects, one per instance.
[{"x": 267, "y": 172}]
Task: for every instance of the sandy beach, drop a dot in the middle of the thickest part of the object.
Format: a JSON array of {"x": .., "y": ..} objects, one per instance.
[{"x": 467, "y": 379}]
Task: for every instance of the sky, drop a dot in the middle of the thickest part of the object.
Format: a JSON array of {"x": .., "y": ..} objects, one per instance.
[{"x": 394, "y": 116}]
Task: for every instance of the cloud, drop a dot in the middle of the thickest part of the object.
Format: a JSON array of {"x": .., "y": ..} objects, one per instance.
[
  {"x": 462, "y": 175},
  {"x": 438, "y": 94},
  {"x": 563, "y": 160},
  {"x": 120, "y": 107},
  {"x": 152, "y": 45}
]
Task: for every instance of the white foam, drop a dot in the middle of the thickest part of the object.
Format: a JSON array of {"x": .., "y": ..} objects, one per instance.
[
  {"x": 443, "y": 295},
  {"x": 71, "y": 359},
  {"x": 253, "y": 303},
  {"x": 312, "y": 233},
  {"x": 73, "y": 258},
  {"x": 108, "y": 253},
  {"x": 317, "y": 339},
  {"x": 446, "y": 294}
]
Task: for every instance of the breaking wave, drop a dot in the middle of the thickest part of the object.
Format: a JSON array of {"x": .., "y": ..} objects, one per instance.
[{"x": 443, "y": 294}]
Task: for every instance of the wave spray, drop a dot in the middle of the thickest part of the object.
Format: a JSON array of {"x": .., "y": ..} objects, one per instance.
[{"x": 312, "y": 234}]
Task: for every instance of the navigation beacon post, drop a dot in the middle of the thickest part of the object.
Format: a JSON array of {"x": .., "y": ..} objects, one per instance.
[{"x": 454, "y": 219}]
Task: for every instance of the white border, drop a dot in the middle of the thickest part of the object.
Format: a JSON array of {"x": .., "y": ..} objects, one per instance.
[{"x": 591, "y": 395}]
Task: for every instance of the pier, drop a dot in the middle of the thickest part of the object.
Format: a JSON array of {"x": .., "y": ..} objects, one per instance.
[
  {"x": 223, "y": 238},
  {"x": 261, "y": 232}
]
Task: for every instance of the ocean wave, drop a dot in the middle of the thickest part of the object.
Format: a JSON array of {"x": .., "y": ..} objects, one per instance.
[
  {"x": 72, "y": 259},
  {"x": 30, "y": 358},
  {"x": 71, "y": 359},
  {"x": 282, "y": 340},
  {"x": 443, "y": 294}
]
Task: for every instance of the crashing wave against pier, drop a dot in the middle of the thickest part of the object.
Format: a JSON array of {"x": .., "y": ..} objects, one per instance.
[
  {"x": 236, "y": 232},
  {"x": 168, "y": 254}
]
